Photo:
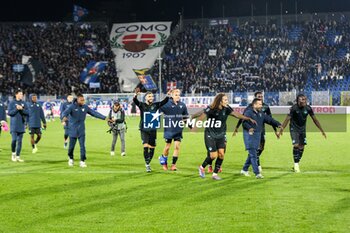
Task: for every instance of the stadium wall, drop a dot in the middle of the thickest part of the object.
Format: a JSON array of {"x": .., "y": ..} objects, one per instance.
[{"x": 192, "y": 108}]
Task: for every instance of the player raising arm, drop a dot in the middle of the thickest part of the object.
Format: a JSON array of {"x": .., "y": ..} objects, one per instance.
[{"x": 147, "y": 129}]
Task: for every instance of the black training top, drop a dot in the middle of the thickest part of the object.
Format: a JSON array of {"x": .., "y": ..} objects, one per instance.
[
  {"x": 298, "y": 117},
  {"x": 215, "y": 116},
  {"x": 151, "y": 108}
]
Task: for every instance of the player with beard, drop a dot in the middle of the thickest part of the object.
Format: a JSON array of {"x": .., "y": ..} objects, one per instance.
[
  {"x": 265, "y": 109},
  {"x": 148, "y": 135}
]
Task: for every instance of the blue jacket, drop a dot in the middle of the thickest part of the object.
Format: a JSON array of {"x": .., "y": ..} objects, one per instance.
[
  {"x": 17, "y": 116},
  {"x": 36, "y": 115},
  {"x": 64, "y": 106},
  {"x": 2, "y": 112},
  {"x": 173, "y": 113},
  {"x": 77, "y": 116},
  {"x": 253, "y": 141}
]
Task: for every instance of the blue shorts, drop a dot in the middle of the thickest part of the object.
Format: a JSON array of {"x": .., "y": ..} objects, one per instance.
[{"x": 175, "y": 137}]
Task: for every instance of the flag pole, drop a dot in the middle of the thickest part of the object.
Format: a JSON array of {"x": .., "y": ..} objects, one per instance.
[{"x": 160, "y": 75}]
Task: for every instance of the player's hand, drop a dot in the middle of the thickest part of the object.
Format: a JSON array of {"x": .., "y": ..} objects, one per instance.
[
  {"x": 44, "y": 126},
  {"x": 109, "y": 120},
  {"x": 277, "y": 135},
  {"x": 19, "y": 107},
  {"x": 235, "y": 132},
  {"x": 137, "y": 90},
  {"x": 251, "y": 131},
  {"x": 63, "y": 123},
  {"x": 169, "y": 92},
  {"x": 64, "y": 119},
  {"x": 324, "y": 135},
  {"x": 280, "y": 132},
  {"x": 190, "y": 126}
]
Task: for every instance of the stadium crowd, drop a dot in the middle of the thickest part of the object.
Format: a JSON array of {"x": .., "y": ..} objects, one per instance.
[
  {"x": 247, "y": 57},
  {"x": 257, "y": 57},
  {"x": 63, "y": 49}
]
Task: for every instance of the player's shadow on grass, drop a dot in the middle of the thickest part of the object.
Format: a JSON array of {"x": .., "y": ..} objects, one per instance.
[
  {"x": 63, "y": 161},
  {"x": 59, "y": 187},
  {"x": 112, "y": 197}
]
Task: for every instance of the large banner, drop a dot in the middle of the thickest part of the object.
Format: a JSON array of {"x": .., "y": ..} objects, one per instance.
[{"x": 137, "y": 46}]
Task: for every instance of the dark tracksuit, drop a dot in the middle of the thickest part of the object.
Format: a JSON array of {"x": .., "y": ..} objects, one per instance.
[
  {"x": 17, "y": 124},
  {"x": 77, "y": 116},
  {"x": 265, "y": 109},
  {"x": 63, "y": 108},
  {"x": 35, "y": 115},
  {"x": 252, "y": 142},
  {"x": 2, "y": 114},
  {"x": 148, "y": 136},
  {"x": 151, "y": 108}
]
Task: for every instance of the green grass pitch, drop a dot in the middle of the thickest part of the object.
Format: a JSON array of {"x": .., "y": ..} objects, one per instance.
[{"x": 115, "y": 194}]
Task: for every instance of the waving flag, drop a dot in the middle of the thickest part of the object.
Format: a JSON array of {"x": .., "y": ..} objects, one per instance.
[
  {"x": 17, "y": 68},
  {"x": 92, "y": 71},
  {"x": 30, "y": 70},
  {"x": 79, "y": 12}
]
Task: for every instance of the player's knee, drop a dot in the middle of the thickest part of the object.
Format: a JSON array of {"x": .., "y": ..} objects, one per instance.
[
  {"x": 166, "y": 150},
  {"x": 177, "y": 146}
]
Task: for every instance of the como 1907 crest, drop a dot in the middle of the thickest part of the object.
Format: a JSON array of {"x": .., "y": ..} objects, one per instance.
[{"x": 138, "y": 42}]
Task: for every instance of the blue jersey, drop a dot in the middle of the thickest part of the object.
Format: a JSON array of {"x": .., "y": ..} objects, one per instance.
[
  {"x": 173, "y": 114},
  {"x": 125, "y": 106},
  {"x": 2, "y": 112},
  {"x": 35, "y": 115},
  {"x": 47, "y": 106},
  {"x": 64, "y": 106}
]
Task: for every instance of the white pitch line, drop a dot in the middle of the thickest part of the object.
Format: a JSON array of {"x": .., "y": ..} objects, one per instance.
[{"x": 161, "y": 172}]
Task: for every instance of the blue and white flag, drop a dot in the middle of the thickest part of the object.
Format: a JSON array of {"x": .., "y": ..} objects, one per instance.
[
  {"x": 79, "y": 12},
  {"x": 17, "y": 68},
  {"x": 92, "y": 71}
]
